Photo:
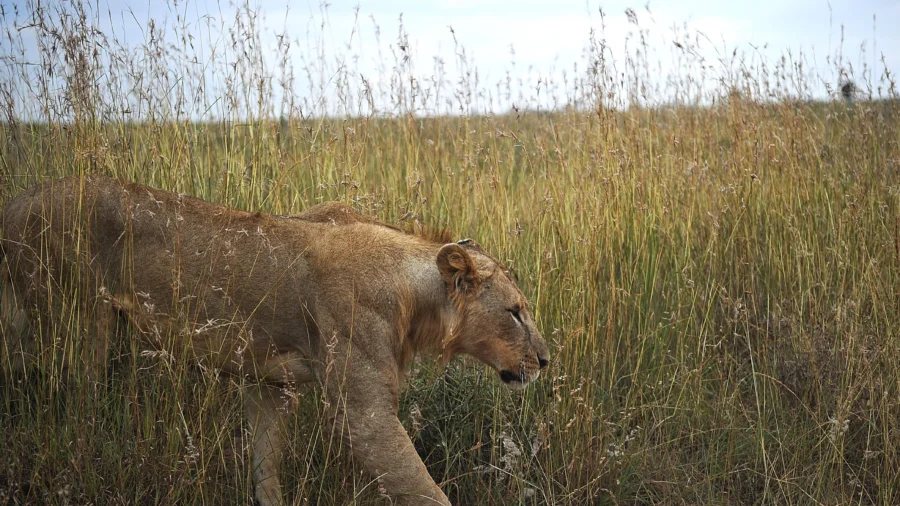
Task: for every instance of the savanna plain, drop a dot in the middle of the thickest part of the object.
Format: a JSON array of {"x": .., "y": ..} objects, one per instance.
[{"x": 713, "y": 255}]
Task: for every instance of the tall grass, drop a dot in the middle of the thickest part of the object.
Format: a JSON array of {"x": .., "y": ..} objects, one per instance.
[{"x": 717, "y": 271}]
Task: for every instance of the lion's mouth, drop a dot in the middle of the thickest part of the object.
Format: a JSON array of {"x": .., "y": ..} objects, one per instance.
[
  {"x": 512, "y": 377},
  {"x": 515, "y": 379}
]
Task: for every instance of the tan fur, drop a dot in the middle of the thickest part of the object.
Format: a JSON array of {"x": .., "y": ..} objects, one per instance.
[{"x": 328, "y": 296}]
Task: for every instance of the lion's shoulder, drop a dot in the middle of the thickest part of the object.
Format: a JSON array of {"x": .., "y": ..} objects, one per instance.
[{"x": 334, "y": 213}]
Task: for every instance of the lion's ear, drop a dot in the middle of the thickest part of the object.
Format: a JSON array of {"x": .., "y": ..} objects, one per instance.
[{"x": 457, "y": 268}]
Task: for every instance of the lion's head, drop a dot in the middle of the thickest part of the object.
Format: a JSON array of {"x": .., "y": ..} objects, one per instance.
[{"x": 494, "y": 321}]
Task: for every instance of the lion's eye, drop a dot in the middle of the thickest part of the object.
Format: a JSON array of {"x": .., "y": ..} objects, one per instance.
[{"x": 515, "y": 313}]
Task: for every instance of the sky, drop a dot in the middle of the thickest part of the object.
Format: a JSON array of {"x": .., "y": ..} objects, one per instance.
[{"x": 524, "y": 52}]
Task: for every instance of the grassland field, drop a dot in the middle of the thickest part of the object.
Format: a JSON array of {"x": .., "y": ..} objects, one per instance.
[{"x": 719, "y": 282}]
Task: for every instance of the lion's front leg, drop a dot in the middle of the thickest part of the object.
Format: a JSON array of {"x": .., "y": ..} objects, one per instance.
[
  {"x": 364, "y": 412},
  {"x": 379, "y": 441}
]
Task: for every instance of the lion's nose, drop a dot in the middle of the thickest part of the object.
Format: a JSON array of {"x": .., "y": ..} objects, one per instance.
[{"x": 543, "y": 362}]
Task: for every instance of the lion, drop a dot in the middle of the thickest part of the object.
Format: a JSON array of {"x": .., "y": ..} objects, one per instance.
[{"x": 328, "y": 297}]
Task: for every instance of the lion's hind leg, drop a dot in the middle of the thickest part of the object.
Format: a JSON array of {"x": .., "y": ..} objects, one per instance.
[
  {"x": 267, "y": 409},
  {"x": 54, "y": 331},
  {"x": 102, "y": 319},
  {"x": 17, "y": 338}
]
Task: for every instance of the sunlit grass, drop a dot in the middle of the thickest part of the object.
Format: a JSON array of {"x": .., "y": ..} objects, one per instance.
[{"x": 719, "y": 285}]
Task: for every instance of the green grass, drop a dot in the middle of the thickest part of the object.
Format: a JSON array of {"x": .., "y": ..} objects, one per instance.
[{"x": 719, "y": 286}]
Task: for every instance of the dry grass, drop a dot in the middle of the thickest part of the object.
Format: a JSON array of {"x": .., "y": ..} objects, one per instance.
[{"x": 719, "y": 282}]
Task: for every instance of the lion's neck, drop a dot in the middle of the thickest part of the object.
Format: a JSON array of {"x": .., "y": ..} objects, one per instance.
[{"x": 431, "y": 313}]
